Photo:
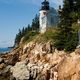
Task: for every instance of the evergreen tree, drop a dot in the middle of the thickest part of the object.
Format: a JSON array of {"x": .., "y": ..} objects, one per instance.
[
  {"x": 25, "y": 31},
  {"x": 35, "y": 23},
  {"x": 65, "y": 38},
  {"x": 78, "y": 8},
  {"x": 29, "y": 28},
  {"x": 18, "y": 37}
]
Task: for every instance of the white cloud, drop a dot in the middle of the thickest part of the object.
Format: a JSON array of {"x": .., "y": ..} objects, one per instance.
[{"x": 6, "y": 43}]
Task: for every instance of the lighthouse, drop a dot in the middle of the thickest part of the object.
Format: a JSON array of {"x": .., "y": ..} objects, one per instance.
[{"x": 48, "y": 16}]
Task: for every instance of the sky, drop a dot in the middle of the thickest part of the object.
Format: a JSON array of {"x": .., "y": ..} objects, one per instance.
[{"x": 16, "y": 14}]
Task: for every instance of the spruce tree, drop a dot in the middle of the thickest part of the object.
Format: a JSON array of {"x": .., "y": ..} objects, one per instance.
[
  {"x": 65, "y": 38},
  {"x": 18, "y": 37},
  {"x": 28, "y": 31},
  {"x": 78, "y": 8},
  {"x": 35, "y": 23}
]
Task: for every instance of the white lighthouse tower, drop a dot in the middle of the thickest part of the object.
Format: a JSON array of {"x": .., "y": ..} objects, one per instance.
[
  {"x": 48, "y": 16},
  {"x": 43, "y": 16}
]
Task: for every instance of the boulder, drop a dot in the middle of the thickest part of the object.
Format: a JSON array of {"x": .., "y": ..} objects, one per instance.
[
  {"x": 77, "y": 51},
  {"x": 69, "y": 68},
  {"x": 1, "y": 60},
  {"x": 5, "y": 73},
  {"x": 13, "y": 59},
  {"x": 41, "y": 77},
  {"x": 23, "y": 57},
  {"x": 2, "y": 66},
  {"x": 20, "y": 71}
]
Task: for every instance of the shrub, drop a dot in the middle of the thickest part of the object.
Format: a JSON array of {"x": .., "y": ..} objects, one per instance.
[{"x": 30, "y": 36}]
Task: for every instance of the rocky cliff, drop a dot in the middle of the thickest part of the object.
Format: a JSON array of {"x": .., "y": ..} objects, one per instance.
[{"x": 39, "y": 61}]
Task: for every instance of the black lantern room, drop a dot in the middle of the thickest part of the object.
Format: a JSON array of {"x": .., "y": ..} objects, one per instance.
[{"x": 45, "y": 5}]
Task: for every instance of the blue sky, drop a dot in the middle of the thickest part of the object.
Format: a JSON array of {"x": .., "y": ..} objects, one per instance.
[{"x": 16, "y": 14}]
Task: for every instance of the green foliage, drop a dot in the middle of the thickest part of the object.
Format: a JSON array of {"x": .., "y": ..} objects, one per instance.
[
  {"x": 65, "y": 40},
  {"x": 60, "y": 40},
  {"x": 30, "y": 36},
  {"x": 72, "y": 43},
  {"x": 74, "y": 16},
  {"x": 67, "y": 37},
  {"x": 35, "y": 23},
  {"x": 47, "y": 36},
  {"x": 64, "y": 37},
  {"x": 76, "y": 27},
  {"x": 27, "y": 31}
]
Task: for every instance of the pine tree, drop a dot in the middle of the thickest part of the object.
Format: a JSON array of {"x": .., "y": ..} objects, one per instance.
[
  {"x": 35, "y": 23},
  {"x": 78, "y": 8},
  {"x": 18, "y": 37},
  {"x": 25, "y": 31},
  {"x": 65, "y": 38}
]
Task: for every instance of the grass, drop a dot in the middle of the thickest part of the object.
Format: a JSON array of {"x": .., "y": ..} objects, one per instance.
[{"x": 47, "y": 36}]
